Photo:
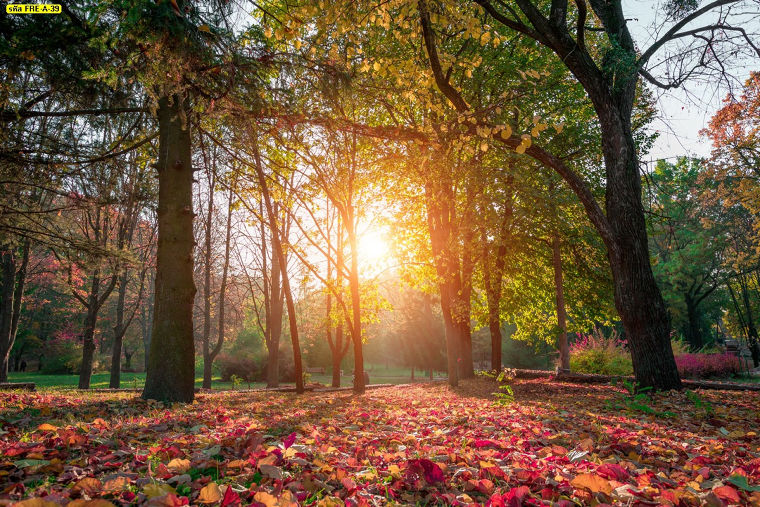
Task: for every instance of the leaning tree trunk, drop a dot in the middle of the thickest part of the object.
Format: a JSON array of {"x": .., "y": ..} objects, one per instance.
[
  {"x": 637, "y": 298},
  {"x": 171, "y": 362}
]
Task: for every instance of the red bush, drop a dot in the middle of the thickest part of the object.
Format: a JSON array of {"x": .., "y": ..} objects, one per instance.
[{"x": 707, "y": 365}]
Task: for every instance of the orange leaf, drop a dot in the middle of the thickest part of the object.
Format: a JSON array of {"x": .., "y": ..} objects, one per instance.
[
  {"x": 210, "y": 493},
  {"x": 728, "y": 494},
  {"x": 179, "y": 466},
  {"x": 593, "y": 483},
  {"x": 89, "y": 485}
]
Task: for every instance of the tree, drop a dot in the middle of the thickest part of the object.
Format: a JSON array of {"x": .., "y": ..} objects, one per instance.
[{"x": 687, "y": 251}]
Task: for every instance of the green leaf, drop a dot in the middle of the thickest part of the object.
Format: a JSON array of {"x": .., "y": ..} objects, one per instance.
[
  {"x": 23, "y": 463},
  {"x": 741, "y": 482}
]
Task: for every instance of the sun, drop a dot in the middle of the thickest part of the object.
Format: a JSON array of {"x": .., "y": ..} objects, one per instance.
[{"x": 373, "y": 251}]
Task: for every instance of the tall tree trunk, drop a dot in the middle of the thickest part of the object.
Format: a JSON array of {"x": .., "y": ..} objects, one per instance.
[
  {"x": 206, "y": 338},
  {"x": 222, "y": 294},
  {"x": 440, "y": 215},
  {"x": 88, "y": 336},
  {"x": 16, "y": 280},
  {"x": 692, "y": 331},
  {"x": 559, "y": 292},
  {"x": 278, "y": 251},
  {"x": 637, "y": 298},
  {"x": 171, "y": 362},
  {"x": 119, "y": 330},
  {"x": 7, "y": 283},
  {"x": 356, "y": 324},
  {"x": 276, "y": 301}
]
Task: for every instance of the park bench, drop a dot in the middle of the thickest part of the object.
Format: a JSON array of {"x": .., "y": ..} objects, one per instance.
[{"x": 321, "y": 371}]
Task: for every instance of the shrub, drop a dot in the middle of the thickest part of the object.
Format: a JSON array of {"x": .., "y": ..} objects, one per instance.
[
  {"x": 242, "y": 367},
  {"x": 63, "y": 354},
  {"x": 604, "y": 355},
  {"x": 707, "y": 365}
]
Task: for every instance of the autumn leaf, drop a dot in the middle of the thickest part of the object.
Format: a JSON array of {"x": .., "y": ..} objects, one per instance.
[
  {"x": 593, "y": 483},
  {"x": 727, "y": 494},
  {"x": 210, "y": 494},
  {"x": 179, "y": 466},
  {"x": 88, "y": 485}
]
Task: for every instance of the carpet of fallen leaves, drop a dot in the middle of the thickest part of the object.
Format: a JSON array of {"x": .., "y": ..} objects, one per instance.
[{"x": 555, "y": 444}]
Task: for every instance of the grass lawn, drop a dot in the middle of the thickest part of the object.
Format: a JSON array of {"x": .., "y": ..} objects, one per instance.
[{"x": 378, "y": 375}]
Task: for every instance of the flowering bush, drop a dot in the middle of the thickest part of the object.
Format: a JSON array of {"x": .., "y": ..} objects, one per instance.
[
  {"x": 707, "y": 365},
  {"x": 596, "y": 353}
]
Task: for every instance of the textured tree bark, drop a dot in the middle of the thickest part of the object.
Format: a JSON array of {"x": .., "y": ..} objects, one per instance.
[
  {"x": 637, "y": 298},
  {"x": 171, "y": 362},
  {"x": 559, "y": 292}
]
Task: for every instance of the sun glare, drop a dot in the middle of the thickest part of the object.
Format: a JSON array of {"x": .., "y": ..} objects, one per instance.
[{"x": 373, "y": 252}]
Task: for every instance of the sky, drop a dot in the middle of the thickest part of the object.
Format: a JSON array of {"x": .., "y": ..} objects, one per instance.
[{"x": 684, "y": 112}]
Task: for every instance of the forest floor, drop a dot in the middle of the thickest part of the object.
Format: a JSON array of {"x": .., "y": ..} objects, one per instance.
[{"x": 547, "y": 443}]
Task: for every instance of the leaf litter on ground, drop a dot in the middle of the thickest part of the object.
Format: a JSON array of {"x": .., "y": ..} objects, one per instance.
[{"x": 555, "y": 444}]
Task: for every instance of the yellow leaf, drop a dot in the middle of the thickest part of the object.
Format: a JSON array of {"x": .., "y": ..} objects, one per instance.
[
  {"x": 520, "y": 149},
  {"x": 47, "y": 427},
  {"x": 210, "y": 494},
  {"x": 204, "y": 28},
  {"x": 238, "y": 463},
  {"x": 179, "y": 466},
  {"x": 267, "y": 32},
  {"x": 330, "y": 501},
  {"x": 558, "y": 127},
  {"x": 376, "y": 66},
  {"x": 484, "y": 147},
  {"x": 526, "y": 140},
  {"x": 394, "y": 470},
  {"x": 486, "y": 464},
  {"x": 154, "y": 490},
  {"x": 507, "y": 132},
  {"x": 593, "y": 483}
]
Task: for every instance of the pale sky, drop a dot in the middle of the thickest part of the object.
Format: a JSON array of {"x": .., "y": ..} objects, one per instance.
[{"x": 684, "y": 112}]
